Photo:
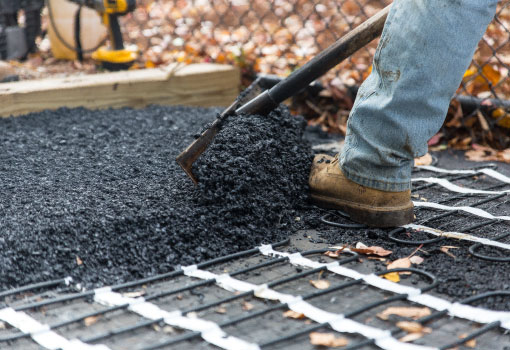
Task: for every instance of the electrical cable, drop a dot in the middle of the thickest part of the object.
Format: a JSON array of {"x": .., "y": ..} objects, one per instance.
[{"x": 63, "y": 41}]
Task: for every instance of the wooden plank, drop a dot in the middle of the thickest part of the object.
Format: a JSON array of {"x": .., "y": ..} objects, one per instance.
[{"x": 201, "y": 84}]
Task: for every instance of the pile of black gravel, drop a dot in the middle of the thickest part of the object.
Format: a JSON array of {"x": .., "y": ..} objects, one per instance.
[{"x": 98, "y": 196}]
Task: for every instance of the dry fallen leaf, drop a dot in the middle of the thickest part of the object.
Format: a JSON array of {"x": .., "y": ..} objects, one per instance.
[
  {"x": 470, "y": 343},
  {"x": 89, "y": 321},
  {"x": 327, "y": 339},
  {"x": 413, "y": 327},
  {"x": 336, "y": 253},
  {"x": 320, "y": 284},
  {"x": 483, "y": 154},
  {"x": 445, "y": 249},
  {"x": 221, "y": 310},
  {"x": 411, "y": 337},
  {"x": 78, "y": 261},
  {"x": 293, "y": 314},
  {"x": 373, "y": 250},
  {"x": 331, "y": 254},
  {"x": 416, "y": 260},
  {"x": 166, "y": 329},
  {"x": 135, "y": 294},
  {"x": 424, "y": 160},
  {"x": 247, "y": 306},
  {"x": 376, "y": 258},
  {"x": 392, "y": 276},
  {"x": 404, "y": 311},
  {"x": 402, "y": 263}
]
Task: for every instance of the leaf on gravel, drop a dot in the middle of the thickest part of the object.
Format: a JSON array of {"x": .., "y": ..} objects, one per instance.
[
  {"x": 320, "y": 284},
  {"x": 416, "y": 260},
  {"x": 89, "y": 321},
  {"x": 392, "y": 276},
  {"x": 327, "y": 339},
  {"x": 376, "y": 258},
  {"x": 247, "y": 306},
  {"x": 373, "y": 250},
  {"x": 293, "y": 314},
  {"x": 404, "y": 311},
  {"x": 445, "y": 249},
  {"x": 336, "y": 253},
  {"x": 413, "y": 327},
  {"x": 221, "y": 310},
  {"x": 402, "y": 263},
  {"x": 424, "y": 160},
  {"x": 470, "y": 343},
  {"x": 78, "y": 261}
]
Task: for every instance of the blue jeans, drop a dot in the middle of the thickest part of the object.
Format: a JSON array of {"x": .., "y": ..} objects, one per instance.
[{"x": 425, "y": 48}]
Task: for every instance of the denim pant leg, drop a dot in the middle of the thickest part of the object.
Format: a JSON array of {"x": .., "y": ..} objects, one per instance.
[{"x": 425, "y": 48}]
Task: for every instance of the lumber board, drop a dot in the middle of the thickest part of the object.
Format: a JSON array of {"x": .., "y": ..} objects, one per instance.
[{"x": 202, "y": 84}]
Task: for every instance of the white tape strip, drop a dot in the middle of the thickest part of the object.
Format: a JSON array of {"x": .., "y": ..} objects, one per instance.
[
  {"x": 458, "y": 235},
  {"x": 489, "y": 172},
  {"x": 209, "y": 331},
  {"x": 475, "y": 211},
  {"x": 454, "y": 188},
  {"x": 337, "y": 321},
  {"x": 42, "y": 334},
  {"x": 471, "y": 313}
]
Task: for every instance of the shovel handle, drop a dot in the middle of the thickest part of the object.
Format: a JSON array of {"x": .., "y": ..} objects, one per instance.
[{"x": 320, "y": 64}]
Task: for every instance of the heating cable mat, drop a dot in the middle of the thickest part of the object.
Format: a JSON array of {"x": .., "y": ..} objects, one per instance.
[{"x": 238, "y": 301}]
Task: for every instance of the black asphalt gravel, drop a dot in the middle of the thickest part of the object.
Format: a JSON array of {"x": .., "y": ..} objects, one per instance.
[{"x": 98, "y": 196}]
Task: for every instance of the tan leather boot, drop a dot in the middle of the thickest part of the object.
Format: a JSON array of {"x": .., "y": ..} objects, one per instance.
[{"x": 330, "y": 189}]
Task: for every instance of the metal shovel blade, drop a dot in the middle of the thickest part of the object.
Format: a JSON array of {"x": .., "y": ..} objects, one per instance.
[
  {"x": 261, "y": 99},
  {"x": 191, "y": 154}
]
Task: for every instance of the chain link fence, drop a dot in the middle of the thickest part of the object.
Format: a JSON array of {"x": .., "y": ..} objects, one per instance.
[{"x": 277, "y": 36}]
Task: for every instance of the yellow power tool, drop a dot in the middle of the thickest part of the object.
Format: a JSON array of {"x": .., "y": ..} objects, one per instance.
[{"x": 115, "y": 57}]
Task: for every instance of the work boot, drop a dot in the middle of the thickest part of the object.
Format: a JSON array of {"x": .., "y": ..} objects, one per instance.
[{"x": 330, "y": 189}]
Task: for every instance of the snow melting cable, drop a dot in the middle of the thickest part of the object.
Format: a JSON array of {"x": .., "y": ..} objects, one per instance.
[
  {"x": 413, "y": 294},
  {"x": 454, "y": 188},
  {"x": 41, "y": 333},
  {"x": 92, "y": 293},
  {"x": 489, "y": 171},
  {"x": 209, "y": 330},
  {"x": 338, "y": 322},
  {"x": 492, "y": 193},
  {"x": 148, "y": 305},
  {"x": 475, "y": 211}
]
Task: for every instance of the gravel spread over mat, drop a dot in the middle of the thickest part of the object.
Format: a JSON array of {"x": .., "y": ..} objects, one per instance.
[{"x": 98, "y": 196}]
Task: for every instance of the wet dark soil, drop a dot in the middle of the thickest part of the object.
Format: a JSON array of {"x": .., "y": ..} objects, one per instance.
[{"x": 97, "y": 194}]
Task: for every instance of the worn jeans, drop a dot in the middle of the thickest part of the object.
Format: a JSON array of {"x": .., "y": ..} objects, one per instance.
[{"x": 425, "y": 48}]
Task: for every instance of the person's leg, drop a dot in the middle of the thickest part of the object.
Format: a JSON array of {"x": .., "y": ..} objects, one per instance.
[{"x": 425, "y": 48}]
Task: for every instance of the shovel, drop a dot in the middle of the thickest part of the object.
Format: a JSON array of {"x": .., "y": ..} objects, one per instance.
[{"x": 265, "y": 94}]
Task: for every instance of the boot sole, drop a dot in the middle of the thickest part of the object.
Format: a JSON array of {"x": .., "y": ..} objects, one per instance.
[{"x": 370, "y": 216}]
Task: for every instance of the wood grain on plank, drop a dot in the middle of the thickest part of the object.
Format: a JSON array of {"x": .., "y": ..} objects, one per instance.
[{"x": 196, "y": 85}]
